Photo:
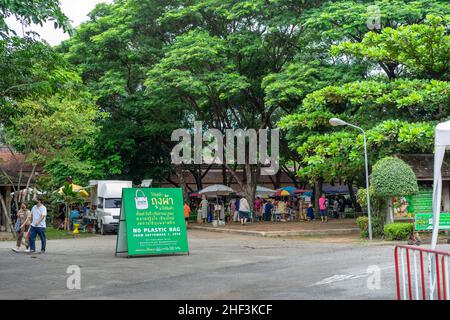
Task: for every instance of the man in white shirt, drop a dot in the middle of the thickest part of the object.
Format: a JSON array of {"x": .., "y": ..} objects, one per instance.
[
  {"x": 38, "y": 225},
  {"x": 244, "y": 210}
]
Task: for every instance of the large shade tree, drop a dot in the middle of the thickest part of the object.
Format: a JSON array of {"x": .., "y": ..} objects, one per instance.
[
  {"x": 403, "y": 94},
  {"x": 114, "y": 50},
  {"x": 219, "y": 59}
]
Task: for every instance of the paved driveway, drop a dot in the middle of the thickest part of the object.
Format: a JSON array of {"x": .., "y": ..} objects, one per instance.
[{"x": 220, "y": 266}]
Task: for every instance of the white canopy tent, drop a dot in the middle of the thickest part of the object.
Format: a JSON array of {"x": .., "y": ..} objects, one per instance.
[
  {"x": 441, "y": 143},
  {"x": 27, "y": 194}
]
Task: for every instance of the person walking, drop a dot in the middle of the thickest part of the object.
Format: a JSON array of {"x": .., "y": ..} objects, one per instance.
[
  {"x": 236, "y": 210},
  {"x": 24, "y": 221},
  {"x": 257, "y": 208},
  {"x": 244, "y": 210},
  {"x": 73, "y": 217},
  {"x": 187, "y": 212},
  {"x": 281, "y": 208},
  {"x": 323, "y": 208},
  {"x": 268, "y": 207},
  {"x": 335, "y": 208},
  {"x": 310, "y": 212},
  {"x": 38, "y": 226}
]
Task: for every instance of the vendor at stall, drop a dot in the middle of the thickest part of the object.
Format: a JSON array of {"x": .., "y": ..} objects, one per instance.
[{"x": 203, "y": 214}]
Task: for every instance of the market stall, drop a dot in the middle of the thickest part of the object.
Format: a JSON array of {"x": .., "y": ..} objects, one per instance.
[{"x": 219, "y": 194}]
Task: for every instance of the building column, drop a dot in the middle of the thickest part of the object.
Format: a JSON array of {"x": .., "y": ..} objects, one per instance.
[{"x": 446, "y": 195}]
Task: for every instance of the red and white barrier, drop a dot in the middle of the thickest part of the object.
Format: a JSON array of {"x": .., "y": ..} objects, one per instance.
[{"x": 421, "y": 274}]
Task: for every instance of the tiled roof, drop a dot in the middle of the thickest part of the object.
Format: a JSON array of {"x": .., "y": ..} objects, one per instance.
[{"x": 422, "y": 165}]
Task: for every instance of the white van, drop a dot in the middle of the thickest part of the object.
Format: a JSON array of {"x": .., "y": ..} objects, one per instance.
[{"x": 106, "y": 201}]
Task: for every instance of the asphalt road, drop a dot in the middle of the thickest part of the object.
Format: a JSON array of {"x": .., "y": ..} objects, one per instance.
[{"x": 220, "y": 266}]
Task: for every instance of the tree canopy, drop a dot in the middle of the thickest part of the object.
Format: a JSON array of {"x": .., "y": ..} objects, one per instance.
[
  {"x": 403, "y": 94},
  {"x": 140, "y": 69},
  {"x": 392, "y": 177},
  {"x": 45, "y": 112}
]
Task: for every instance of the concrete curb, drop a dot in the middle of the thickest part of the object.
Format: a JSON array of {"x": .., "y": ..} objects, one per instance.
[{"x": 327, "y": 232}]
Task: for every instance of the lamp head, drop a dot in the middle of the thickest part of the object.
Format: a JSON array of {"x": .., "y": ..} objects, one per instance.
[{"x": 337, "y": 122}]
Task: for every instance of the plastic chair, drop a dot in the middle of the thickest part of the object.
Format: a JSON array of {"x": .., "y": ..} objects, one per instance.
[{"x": 277, "y": 216}]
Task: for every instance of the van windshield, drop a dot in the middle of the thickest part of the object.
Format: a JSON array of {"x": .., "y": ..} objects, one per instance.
[{"x": 113, "y": 203}]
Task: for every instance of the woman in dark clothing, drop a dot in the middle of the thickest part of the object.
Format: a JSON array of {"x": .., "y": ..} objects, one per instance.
[{"x": 310, "y": 212}]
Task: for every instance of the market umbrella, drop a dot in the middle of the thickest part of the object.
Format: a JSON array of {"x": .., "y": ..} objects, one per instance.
[
  {"x": 29, "y": 190},
  {"x": 194, "y": 195},
  {"x": 282, "y": 193},
  {"x": 264, "y": 192},
  {"x": 216, "y": 190},
  {"x": 75, "y": 188},
  {"x": 289, "y": 189},
  {"x": 337, "y": 189}
]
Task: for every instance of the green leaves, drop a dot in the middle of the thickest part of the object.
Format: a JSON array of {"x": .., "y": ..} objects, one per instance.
[
  {"x": 55, "y": 129},
  {"x": 35, "y": 11},
  {"x": 423, "y": 49},
  {"x": 393, "y": 177},
  {"x": 372, "y": 101}
]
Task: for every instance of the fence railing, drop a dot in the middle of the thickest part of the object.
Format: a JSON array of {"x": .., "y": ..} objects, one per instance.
[{"x": 421, "y": 273}]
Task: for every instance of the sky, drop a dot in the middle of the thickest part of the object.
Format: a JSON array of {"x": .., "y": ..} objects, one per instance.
[{"x": 75, "y": 10}]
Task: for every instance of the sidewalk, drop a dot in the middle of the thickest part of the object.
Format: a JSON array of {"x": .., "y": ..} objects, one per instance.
[{"x": 286, "y": 229}]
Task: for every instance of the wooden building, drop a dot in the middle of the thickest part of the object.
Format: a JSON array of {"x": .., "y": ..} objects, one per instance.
[
  {"x": 14, "y": 174},
  {"x": 422, "y": 165}
]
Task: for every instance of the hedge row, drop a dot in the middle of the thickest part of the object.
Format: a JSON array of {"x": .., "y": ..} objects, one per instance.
[{"x": 392, "y": 231}]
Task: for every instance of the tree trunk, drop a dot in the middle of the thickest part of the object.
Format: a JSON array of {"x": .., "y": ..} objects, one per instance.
[
  {"x": 318, "y": 184},
  {"x": 277, "y": 183},
  {"x": 198, "y": 175},
  {"x": 179, "y": 172},
  {"x": 224, "y": 175},
  {"x": 291, "y": 175},
  {"x": 252, "y": 178},
  {"x": 66, "y": 222},
  {"x": 6, "y": 214},
  {"x": 249, "y": 182},
  {"x": 390, "y": 212},
  {"x": 12, "y": 185},
  {"x": 29, "y": 181},
  {"x": 353, "y": 196}
]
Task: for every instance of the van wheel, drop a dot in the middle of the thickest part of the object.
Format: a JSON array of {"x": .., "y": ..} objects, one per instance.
[{"x": 102, "y": 229}]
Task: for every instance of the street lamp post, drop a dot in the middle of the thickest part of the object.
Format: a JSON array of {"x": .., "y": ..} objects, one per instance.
[{"x": 338, "y": 122}]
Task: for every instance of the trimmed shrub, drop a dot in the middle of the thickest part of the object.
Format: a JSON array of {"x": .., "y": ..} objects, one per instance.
[
  {"x": 361, "y": 198},
  {"x": 363, "y": 225},
  {"x": 350, "y": 215},
  {"x": 393, "y": 177},
  {"x": 398, "y": 231}
]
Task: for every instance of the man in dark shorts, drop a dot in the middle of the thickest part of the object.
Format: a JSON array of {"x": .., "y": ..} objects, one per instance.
[{"x": 323, "y": 208}]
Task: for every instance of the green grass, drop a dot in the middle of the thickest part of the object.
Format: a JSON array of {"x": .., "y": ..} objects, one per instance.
[{"x": 53, "y": 234}]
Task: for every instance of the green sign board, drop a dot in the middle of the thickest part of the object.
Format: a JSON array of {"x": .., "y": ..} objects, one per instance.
[
  {"x": 152, "y": 222},
  {"x": 424, "y": 221}
]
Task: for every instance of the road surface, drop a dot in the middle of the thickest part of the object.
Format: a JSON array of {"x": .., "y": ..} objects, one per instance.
[{"x": 220, "y": 266}]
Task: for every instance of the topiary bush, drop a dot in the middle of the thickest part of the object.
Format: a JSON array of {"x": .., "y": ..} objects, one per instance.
[
  {"x": 392, "y": 177},
  {"x": 398, "y": 231},
  {"x": 363, "y": 225}
]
